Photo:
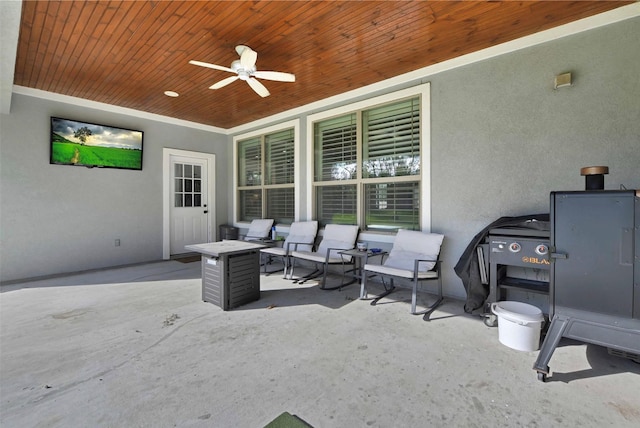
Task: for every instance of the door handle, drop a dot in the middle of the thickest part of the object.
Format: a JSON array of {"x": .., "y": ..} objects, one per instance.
[{"x": 206, "y": 212}]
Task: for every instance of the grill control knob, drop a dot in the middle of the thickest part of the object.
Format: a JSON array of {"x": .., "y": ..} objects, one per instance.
[
  {"x": 514, "y": 247},
  {"x": 542, "y": 250}
]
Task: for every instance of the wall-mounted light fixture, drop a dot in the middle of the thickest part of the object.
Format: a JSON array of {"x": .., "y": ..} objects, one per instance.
[{"x": 562, "y": 80}]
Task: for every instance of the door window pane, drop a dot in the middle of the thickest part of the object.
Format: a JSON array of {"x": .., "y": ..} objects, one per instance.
[{"x": 187, "y": 191}]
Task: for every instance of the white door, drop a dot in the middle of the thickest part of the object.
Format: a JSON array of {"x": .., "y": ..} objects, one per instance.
[{"x": 189, "y": 212}]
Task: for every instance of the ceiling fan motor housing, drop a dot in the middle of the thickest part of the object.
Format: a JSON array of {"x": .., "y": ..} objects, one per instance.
[{"x": 243, "y": 73}]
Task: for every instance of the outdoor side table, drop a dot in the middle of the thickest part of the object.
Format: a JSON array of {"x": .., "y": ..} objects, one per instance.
[
  {"x": 360, "y": 259},
  {"x": 230, "y": 272}
]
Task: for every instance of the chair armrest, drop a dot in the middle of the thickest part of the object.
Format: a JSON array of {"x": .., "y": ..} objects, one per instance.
[
  {"x": 253, "y": 238},
  {"x": 417, "y": 262},
  {"x": 295, "y": 246},
  {"x": 329, "y": 250}
]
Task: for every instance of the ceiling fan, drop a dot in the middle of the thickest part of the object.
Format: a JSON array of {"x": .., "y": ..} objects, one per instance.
[{"x": 245, "y": 69}]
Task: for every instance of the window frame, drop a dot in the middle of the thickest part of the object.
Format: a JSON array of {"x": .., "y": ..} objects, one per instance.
[
  {"x": 423, "y": 92},
  {"x": 293, "y": 124}
]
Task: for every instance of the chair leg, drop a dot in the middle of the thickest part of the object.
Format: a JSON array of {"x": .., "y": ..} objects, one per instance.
[
  {"x": 363, "y": 286},
  {"x": 429, "y": 310},
  {"x": 414, "y": 296},
  {"x": 344, "y": 272},
  {"x": 387, "y": 291},
  {"x": 290, "y": 266},
  {"x": 268, "y": 262},
  {"x": 324, "y": 277},
  {"x": 312, "y": 275},
  {"x": 323, "y": 285}
]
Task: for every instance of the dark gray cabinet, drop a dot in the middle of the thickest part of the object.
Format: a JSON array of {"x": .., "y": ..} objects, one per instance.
[{"x": 594, "y": 285}]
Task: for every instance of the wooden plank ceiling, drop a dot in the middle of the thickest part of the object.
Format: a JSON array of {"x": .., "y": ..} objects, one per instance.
[{"x": 127, "y": 53}]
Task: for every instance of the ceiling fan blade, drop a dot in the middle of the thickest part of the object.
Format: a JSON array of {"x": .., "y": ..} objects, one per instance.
[
  {"x": 214, "y": 66},
  {"x": 248, "y": 58},
  {"x": 224, "y": 82},
  {"x": 275, "y": 75},
  {"x": 258, "y": 87}
]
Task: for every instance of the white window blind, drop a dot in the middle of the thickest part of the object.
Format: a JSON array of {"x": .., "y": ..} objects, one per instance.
[
  {"x": 391, "y": 206},
  {"x": 250, "y": 162},
  {"x": 336, "y": 149},
  {"x": 281, "y": 204},
  {"x": 392, "y": 140},
  {"x": 279, "y": 153},
  {"x": 250, "y": 204},
  {"x": 337, "y": 204}
]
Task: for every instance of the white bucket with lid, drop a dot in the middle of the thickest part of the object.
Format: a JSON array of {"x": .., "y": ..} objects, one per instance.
[{"x": 519, "y": 325}]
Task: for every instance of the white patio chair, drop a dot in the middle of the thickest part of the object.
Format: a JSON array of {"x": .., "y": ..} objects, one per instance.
[
  {"x": 415, "y": 257},
  {"x": 302, "y": 235},
  {"x": 336, "y": 238},
  {"x": 259, "y": 229}
]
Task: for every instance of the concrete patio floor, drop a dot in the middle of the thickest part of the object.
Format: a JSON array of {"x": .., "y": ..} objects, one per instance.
[{"x": 137, "y": 347}]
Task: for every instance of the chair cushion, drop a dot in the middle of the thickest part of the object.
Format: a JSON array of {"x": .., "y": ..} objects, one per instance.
[
  {"x": 276, "y": 251},
  {"x": 410, "y": 245},
  {"x": 258, "y": 229},
  {"x": 340, "y": 236},
  {"x": 304, "y": 232}
]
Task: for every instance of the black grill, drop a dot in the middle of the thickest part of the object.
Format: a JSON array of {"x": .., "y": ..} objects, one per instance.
[{"x": 517, "y": 247}]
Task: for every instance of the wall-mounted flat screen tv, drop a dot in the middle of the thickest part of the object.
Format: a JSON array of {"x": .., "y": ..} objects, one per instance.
[{"x": 92, "y": 145}]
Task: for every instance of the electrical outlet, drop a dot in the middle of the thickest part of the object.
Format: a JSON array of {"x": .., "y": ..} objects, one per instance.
[{"x": 117, "y": 242}]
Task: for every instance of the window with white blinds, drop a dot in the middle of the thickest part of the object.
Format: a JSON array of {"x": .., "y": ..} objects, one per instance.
[
  {"x": 374, "y": 154},
  {"x": 266, "y": 177}
]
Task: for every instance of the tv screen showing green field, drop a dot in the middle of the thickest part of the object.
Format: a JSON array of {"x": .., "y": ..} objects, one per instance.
[{"x": 92, "y": 145}]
